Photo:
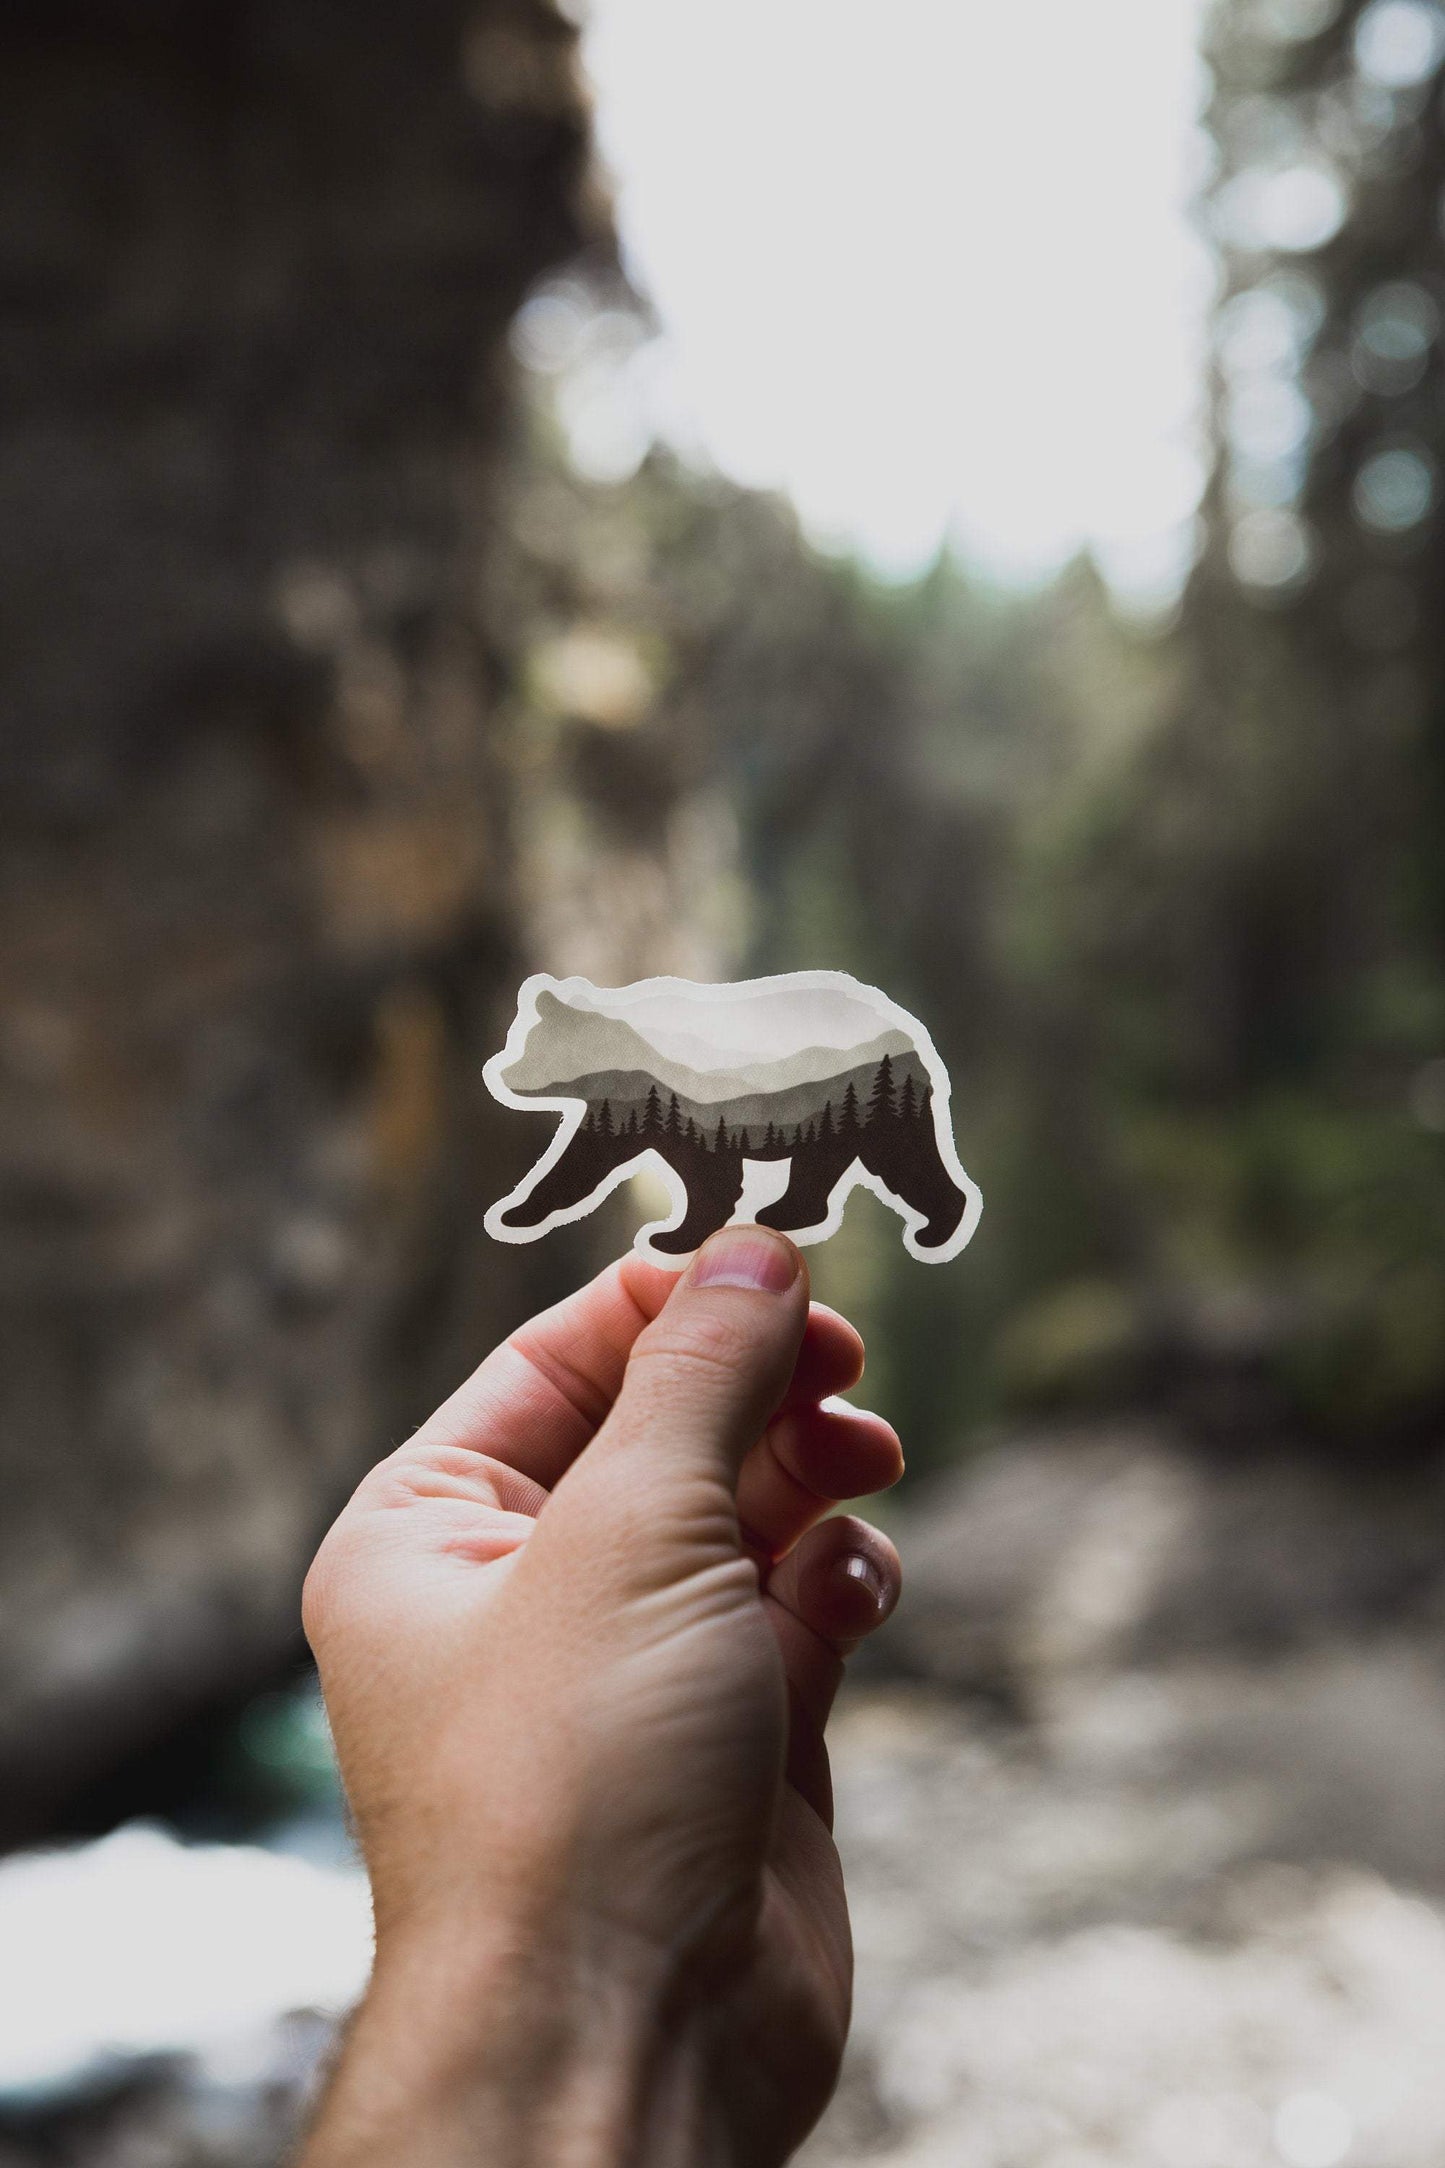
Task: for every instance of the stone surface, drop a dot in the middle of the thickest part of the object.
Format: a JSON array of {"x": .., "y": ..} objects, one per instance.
[
  {"x": 1166, "y": 1887},
  {"x": 1113, "y": 1544},
  {"x": 258, "y": 260},
  {"x": 1191, "y": 1917}
]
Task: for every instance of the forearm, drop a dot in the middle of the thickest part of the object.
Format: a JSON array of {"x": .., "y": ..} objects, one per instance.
[{"x": 467, "y": 2058}]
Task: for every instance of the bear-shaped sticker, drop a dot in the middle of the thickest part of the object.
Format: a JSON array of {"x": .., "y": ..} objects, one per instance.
[{"x": 768, "y": 1099}]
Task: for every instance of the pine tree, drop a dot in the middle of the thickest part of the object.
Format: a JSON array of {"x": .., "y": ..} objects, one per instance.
[
  {"x": 908, "y": 1102},
  {"x": 720, "y": 1141},
  {"x": 652, "y": 1116},
  {"x": 1256, "y": 959},
  {"x": 589, "y": 1121},
  {"x": 769, "y": 1139},
  {"x": 632, "y": 1121},
  {"x": 881, "y": 1106},
  {"x": 826, "y": 1130},
  {"x": 742, "y": 1142},
  {"x": 674, "y": 1118},
  {"x": 848, "y": 1126},
  {"x": 604, "y": 1119},
  {"x": 798, "y": 1138}
]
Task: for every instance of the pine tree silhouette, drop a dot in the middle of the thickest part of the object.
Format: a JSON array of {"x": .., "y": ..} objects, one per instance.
[
  {"x": 908, "y": 1101},
  {"x": 848, "y": 1125},
  {"x": 720, "y": 1141},
  {"x": 604, "y": 1119},
  {"x": 826, "y": 1129},
  {"x": 798, "y": 1139},
  {"x": 652, "y": 1116},
  {"x": 674, "y": 1118},
  {"x": 631, "y": 1130},
  {"x": 770, "y": 1138},
  {"x": 881, "y": 1106}
]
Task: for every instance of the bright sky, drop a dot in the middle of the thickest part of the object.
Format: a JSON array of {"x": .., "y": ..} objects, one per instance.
[
  {"x": 922, "y": 263},
  {"x": 763, "y": 1027}
]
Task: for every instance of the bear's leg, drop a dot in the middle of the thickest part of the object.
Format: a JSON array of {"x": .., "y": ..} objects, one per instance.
[
  {"x": 907, "y": 1158},
  {"x": 812, "y": 1178},
  {"x": 714, "y": 1183},
  {"x": 587, "y": 1160}
]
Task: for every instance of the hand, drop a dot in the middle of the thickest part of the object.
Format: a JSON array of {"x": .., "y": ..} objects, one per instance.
[{"x": 578, "y": 1639}]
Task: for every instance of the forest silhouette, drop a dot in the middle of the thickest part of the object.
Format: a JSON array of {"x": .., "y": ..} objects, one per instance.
[{"x": 892, "y": 1134}]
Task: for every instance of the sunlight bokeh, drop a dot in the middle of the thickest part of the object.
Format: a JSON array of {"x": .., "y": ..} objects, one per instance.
[{"x": 877, "y": 294}]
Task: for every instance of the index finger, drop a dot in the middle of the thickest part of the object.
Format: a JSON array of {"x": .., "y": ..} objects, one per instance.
[{"x": 539, "y": 1398}]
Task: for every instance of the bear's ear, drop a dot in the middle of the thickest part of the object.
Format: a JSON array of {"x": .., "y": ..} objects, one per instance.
[{"x": 550, "y": 1003}]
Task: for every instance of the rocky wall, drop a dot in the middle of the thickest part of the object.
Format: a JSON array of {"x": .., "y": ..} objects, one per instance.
[{"x": 257, "y": 263}]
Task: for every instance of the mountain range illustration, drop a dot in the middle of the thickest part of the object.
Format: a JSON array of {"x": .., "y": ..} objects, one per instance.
[
  {"x": 815, "y": 1070},
  {"x": 616, "y": 1066}
]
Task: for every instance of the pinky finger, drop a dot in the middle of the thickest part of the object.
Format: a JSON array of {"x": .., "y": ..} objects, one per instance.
[
  {"x": 839, "y": 1584},
  {"x": 842, "y": 1582}
]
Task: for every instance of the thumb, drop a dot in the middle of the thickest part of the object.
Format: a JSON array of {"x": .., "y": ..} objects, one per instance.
[{"x": 705, "y": 1377}]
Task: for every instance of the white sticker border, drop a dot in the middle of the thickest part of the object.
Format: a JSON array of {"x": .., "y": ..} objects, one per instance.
[{"x": 890, "y": 1013}]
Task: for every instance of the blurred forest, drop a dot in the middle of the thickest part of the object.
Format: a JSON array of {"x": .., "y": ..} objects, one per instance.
[
  {"x": 1172, "y": 900},
  {"x": 336, "y": 696},
  {"x": 335, "y": 701}
]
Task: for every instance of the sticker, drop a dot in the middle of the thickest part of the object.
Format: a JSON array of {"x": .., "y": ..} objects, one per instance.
[{"x": 769, "y": 1100}]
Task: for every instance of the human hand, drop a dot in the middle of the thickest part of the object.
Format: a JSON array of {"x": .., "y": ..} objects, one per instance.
[{"x": 578, "y": 1639}]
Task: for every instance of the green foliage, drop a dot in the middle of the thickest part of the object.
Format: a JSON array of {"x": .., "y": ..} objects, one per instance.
[
  {"x": 1080, "y": 1344},
  {"x": 1173, "y": 906}
]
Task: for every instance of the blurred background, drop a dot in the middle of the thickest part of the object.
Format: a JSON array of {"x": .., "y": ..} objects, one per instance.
[{"x": 949, "y": 493}]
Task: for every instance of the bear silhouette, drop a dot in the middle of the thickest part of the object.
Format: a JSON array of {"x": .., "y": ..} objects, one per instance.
[{"x": 712, "y": 1083}]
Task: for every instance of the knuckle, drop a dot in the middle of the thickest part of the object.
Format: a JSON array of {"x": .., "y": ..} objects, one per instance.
[
  {"x": 704, "y": 1344},
  {"x": 315, "y": 1596},
  {"x": 325, "y": 1587}
]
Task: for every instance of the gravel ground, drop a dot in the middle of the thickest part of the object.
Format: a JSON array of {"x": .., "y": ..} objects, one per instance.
[{"x": 1184, "y": 1919}]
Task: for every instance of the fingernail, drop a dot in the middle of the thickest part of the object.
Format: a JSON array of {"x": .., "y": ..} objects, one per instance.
[
  {"x": 746, "y": 1257},
  {"x": 858, "y": 1566}
]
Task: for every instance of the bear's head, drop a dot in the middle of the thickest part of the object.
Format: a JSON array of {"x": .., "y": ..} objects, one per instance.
[{"x": 559, "y": 1042}]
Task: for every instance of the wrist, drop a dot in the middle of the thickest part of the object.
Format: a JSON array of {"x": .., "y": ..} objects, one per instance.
[{"x": 518, "y": 2044}]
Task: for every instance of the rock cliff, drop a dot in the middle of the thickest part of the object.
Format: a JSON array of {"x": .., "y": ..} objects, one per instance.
[{"x": 257, "y": 264}]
